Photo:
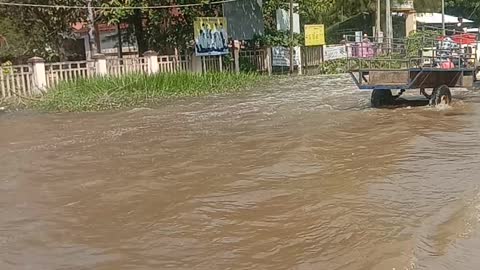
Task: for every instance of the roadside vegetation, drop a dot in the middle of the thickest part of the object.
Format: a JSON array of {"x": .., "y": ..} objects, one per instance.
[{"x": 110, "y": 93}]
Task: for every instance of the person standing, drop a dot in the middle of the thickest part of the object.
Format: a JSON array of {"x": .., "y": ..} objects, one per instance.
[{"x": 459, "y": 27}]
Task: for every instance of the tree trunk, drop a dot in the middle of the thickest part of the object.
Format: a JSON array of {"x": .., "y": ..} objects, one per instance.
[
  {"x": 97, "y": 38},
  {"x": 139, "y": 32},
  {"x": 61, "y": 51},
  {"x": 120, "y": 43}
]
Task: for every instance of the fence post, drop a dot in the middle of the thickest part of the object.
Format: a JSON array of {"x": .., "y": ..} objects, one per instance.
[
  {"x": 300, "y": 60},
  {"x": 39, "y": 75},
  {"x": 196, "y": 64},
  {"x": 152, "y": 62},
  {"x": 100, "y": 64},
  {"x": 220, "y": 63},
  {"x": 268, "y": 60},
  {"x": 236, "y": 55}
]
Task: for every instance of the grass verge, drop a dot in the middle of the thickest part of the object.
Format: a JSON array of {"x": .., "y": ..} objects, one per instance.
[{"x": 109, "y": 93}]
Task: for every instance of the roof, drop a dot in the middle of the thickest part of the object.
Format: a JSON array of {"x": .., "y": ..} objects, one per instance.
[
  {"x": 436, "y": 18},
  {"x": 82, "y": 27},
  {"x": 102, "y": 27}
]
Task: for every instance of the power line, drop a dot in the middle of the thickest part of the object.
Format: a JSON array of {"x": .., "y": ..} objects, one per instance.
[{"x": 112, "y": 8}]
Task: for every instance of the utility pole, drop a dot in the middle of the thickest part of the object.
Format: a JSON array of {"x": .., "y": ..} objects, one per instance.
[
  {"x": 291, "y": 37},
  {"x": 378, "y": 24},
  {"x": 443, "y": 17},
  {"x": 388, "y": 26},
  {"x": 91, "y": 28}
]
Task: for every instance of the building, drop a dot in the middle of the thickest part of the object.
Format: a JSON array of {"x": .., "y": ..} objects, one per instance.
[
  {"x": 108, "y": 39},
  {"x": 406, "y": 9}
]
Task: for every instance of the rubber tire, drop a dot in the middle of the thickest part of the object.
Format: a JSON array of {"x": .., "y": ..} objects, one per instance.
[
  {"x": 381, "y": 97},
  {"x": 439, "y": 94}
]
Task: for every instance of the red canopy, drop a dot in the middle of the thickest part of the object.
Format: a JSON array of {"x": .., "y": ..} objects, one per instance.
[{"x": 462, "y": 39}]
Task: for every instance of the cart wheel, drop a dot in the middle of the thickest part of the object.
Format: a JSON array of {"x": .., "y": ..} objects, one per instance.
[
  {"x": 441, "y": 95},
  {"x": 381, "y": 97}
]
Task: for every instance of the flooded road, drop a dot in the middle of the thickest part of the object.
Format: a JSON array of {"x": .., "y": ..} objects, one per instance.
[{"x": 303, "y": 176}]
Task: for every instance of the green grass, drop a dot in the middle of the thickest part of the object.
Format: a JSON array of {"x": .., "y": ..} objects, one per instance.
[{"x": 109, "y": 93}]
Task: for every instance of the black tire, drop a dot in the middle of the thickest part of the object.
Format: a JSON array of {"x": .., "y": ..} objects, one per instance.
[
  {"x": 441, "y": 95},
  {"x": 381, "y": 97}
]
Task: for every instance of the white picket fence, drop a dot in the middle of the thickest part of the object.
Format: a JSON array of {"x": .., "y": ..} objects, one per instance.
[
  {"x": 68, "y": 71},
  {"x": 15, "y": 80},
  {"x": 175, "y": 63},
  {"x": 119, "y": 67},
  {"x": 20, "y": 79}
]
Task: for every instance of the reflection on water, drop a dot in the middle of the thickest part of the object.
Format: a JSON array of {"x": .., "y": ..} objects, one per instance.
[{"x": 301, "y": 176}]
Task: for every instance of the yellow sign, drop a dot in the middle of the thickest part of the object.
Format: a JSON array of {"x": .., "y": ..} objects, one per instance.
[
  {"x": 314, "y": 34},
  {"x": 210, "y": 36}
]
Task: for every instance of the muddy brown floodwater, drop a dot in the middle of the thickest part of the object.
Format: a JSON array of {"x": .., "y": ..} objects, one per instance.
[{"x": 301, "y": 176}]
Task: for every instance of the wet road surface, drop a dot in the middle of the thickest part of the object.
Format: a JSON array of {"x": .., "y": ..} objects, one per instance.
[{"x": 300, "y": 176}]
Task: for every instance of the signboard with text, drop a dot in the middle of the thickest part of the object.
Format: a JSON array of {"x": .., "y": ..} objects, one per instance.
[
  {"x": 314, "y": 34},
  {"x": 334, "y": 52},
  {"x": 281, "y": 56}
]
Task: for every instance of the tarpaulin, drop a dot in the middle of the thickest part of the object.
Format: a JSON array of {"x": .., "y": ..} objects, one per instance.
[{"x": 462, "y": 39}]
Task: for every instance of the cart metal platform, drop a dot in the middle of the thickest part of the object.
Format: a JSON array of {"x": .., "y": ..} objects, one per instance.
[
  {"x": 413, "y": 78},
  {"x": 385, "y": 66}
]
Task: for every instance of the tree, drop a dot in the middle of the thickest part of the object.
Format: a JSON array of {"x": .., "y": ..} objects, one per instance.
[
  {"x": 45, "y": 29},
  {"x": 160, "y": 29},
  {"x": 310, "y": 12},
  {"x": 117, "y": 17},
  {"x": 469, "y": 9},
  {"x": 12, "y": 41}
]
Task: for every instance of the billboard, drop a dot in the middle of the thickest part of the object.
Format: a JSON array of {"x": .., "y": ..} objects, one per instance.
[
  {"x": 210, "y": 36},
  {"x": 245, "y": 19},
  {"x": 314, "y": 34}
]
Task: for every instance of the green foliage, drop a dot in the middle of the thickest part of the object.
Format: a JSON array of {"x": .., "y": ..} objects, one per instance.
[
  {"x": 116, "y": 16},
  {"x": 43, "y": 30},
  {"x": 469, "y": 9},
  {"x": 333, "y": 67},
  {"x": 13, "y": 42},
  {"x": 278, "y": 38},
  {"x": 6, "y": 67},
  {"x": 247, "y": 66},
  {"x": 351, "y": 8},
  {"x": 343, "y": 65},
  {"x": 310, "y": 11},
  {"x": 428, "y": 5},
  {"x": 419, "y": 40},
  {"x": 318, "y": 11},
  {"x": 159, "y": 29},
  {"x": 108, "y": 93}
]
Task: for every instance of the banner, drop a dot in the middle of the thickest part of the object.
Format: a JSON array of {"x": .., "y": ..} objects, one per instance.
[
  {"x": 210, "y": 36},
  {"x": 334, "y": 52},
  {"x": 281, "y": 56},
  {"x": 283, "y": 19},
  {"x": 314, "y": 34}
]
